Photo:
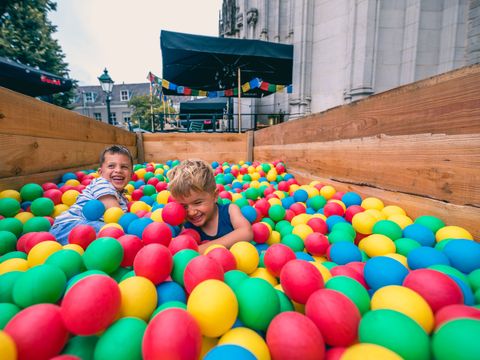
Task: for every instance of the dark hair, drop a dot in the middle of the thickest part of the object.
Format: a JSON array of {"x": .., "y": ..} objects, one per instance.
[{"x": 116, "y": 149}]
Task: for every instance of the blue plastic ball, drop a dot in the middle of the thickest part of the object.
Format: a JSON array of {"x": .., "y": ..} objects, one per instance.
[
  {"x": 147, "y": 200},
  {"x": 300, "y": 195},
  {"x": 249, "y": 212},
  {"x": 139, "y": 183},
  {"x": 382, "y": 271},
  {"x": 68, "y": 176},
  {"x": 215, "y": 164},
  {"x": 170, "y": 291},
  {"x": 420, "y": 233},
  {"x": 468, "y": 296},
  {"x": 287, "y": 202},
  {"x": 344, "y": 252},
  {"x": 93, "y": 210},
  {"x": 464, "y": 255},
  {"x": 229, "y": 351},
  {"x": 351, "y": 198},
  {"x": 304, "y": 256},
  {"x": 261, "y": 247},
  {"x": 228, "y": 178},
  {"x": 126, "y": 219},
  {"x": 424, "y": 257},
  {"x": 334, "y": 219},
  {"x": 137, "y": 226}
]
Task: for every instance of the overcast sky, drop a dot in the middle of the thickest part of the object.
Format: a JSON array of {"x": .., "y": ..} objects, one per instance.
[{"x": 124, "y": 35}]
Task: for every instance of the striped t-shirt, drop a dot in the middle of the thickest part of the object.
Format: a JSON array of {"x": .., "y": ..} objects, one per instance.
[{"x": 96, "y": 189}]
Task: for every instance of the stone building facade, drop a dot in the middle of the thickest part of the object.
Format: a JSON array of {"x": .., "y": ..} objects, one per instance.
[{"x": 346, "y": 50}]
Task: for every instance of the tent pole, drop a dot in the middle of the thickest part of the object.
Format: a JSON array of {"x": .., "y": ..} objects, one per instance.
[{"x": 239, "y": 100}]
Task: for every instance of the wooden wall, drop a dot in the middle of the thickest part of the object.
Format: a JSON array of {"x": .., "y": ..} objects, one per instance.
[
  {"x": 39, "y": 142},
  {"x": 220, "y": 147},
  {"x": 417, "y": 146}
]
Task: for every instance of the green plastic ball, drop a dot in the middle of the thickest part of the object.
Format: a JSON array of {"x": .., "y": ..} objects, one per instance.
[
  {"x": 180, "y": 262},
  {"x": 405, "y": 245},
  {"x": 13, "y": 225},
  {"x": 340, "y": 235},
  {"x": 13, "y": 255},
  {"x": 7, "y": 281},
  {"x": 42, "y": 207},
  {"x": 441, "y": 244},
  {"x": 81, "y": 346},
  {"x": 149, "y": 190},
  {"x": 252, "y": 193},
  {"x": 30, "y": 192},
  {"x": 7, "y": 311},
  {"x": 432, "y": 222},
  {"x": 258, "y": 303},
  {"x": 103, "y": 254},
  {"x": 387, "y": 228},
  {"x": 69, "y": 261},
  {"x": 457, "y": 339},
  {"x": 284, "y": 226},
  {"x": 234, "y": 278},
  {"x": 285, "y": 302},
  {"x": 329, "y": 264},
  {"x": 474, "y": 279},
  {"x": 125, "y": 276},
  {"x": 449, "y": 270},
  {"x": 36, "y": 224},
  {"x": 276, "y": 212},
  {"x": 241, "y": 202},
  {"x": 122, "y": 340},
  {"x": 39, "y": 284},
  {"x": 345, "y": 227},
  {"x": 8, "y": 242},
  {"x": 269, "y": 222},
  {"x": 351, "y": 289},
  {"x": 317, "y": 202},
  {"x": 118, "y": 274},
  {"x": 293, "y": 241},
  {"x": 9, "y": 207},
  {"x": 169, "y": 305},
  {"x": 81, "y": 276}
]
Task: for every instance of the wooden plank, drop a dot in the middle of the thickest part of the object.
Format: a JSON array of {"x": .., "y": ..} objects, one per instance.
[
  {"x": 415, "y": 206},
  {"x": 24, "y": 115},
  {"x": 444, "y": 104},
  {"x": 26, "y": 155},
  {"x": 250, "y": 142},
  {"x": 180, "y": 137},
  {"x": 443, "y": 167},
  {"x": 140, "y": 149}
]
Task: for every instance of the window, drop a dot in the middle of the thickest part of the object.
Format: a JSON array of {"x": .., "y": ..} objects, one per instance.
[
  {"x": 114, "y": 118},
  {"x": 126, "y": 117},
  {"x": 124, "y": 95},
  {"x": 97, "y": 116},
  {"x": 90, "y": 96}
]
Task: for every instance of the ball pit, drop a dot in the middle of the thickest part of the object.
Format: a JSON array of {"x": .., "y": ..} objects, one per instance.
[{"x": 371, "y": 280}]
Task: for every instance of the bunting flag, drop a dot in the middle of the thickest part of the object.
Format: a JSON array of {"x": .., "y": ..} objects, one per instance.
[{"x": 256, "y": 83}]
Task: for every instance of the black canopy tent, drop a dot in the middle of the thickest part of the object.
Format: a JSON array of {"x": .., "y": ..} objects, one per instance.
[
  {"x": 215, "y": 106},
  {"x": 30, "y": 81},
  {"x": 211, "y": 63}
]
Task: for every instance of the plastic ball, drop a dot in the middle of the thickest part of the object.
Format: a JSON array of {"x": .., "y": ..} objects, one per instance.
[
  {"x": 246, "y": 256},
  {"x": 405, "y": 245},
  {"x": 214, "y": 306},
  {"x": 457, "y": 339},
  {"x": 387, "y": 228},
  {"x": 113, "y": 215},
  {"x": 333, "y": 208},
  {"x": 199, "y": 269},
  {"x": 103, "y": 254},
  {"x": 122, "y": 340},
  {"x": 93, "y": 210},
  {"x": 14, "y": 264},
  {"x": 228, "y": 351},
  {"x": 338, "y": 324},
  {"x": 300, "y": 279},
  {"x": 69, "y": 197},
  {"x": 363, "y": 222},
  {"x": 182, "y": 242},
  {"x": 91, "y": 305},
  {"x": 464, "y": 255},
  {"x": 276, "y": 212},
  {"x": 169, "y": 291},
  {"x": 8, "y": 349},
  {"x": 139, "y": 297},
  {"x": 344, "y": 252},
  {"x": 131, "y": 245},
  {"x": 406, "y": 301},
  {"x": 454, "y": 312},
  {"x": 30, "y": 192},
  {"x": 9, "y": 207},
  {"x": 83, "y": 347},
  {"x": 317, "y": 244},
  {"x": 40, "y": 252},
  {"x": 401, "y": 220},
  {"x": 180, "y": 262},
  {"x": 452, "y": 232},
  {"x": 224, "y": 257},
  {"x": 294, "y": 242},
  {"x": 372, "y": 203},
  {"x": 174, "y": 214},
  {"x": 293, "y": 335},
  {"x": 424, "y": 257},
  {"x": 8, "y": 242},
  {"x": 172, "y": 334},
  {"x": 249, "y": 213},
  {"x": 249, "y": 340},
  {"x": 37, "y": 224},
  {"x": 351, "y": 289},
  {"x": 82, "y": 235},
  {"x": 377, "y": 245},
  {"x": 431, "y": 222},
  {"x": 13, "y": 225},
  {"x": 302, "y": 230},
  {"x": 382, "y": 271},
  {"x": 261, "y": 233},
  {"x": 138, "y": 226},
  {"x": 420, "y": 233},
  {"x": 369, "y": 351},
  {"x": 153, "y": 262},
  {"x": 111, "y": 230},
  {"x": 276, "y": 257}
]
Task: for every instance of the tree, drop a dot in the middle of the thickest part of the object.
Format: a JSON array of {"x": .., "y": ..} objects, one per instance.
[
  {"x": 142, "y": 111},
  {"x": 26, "y": 36}
]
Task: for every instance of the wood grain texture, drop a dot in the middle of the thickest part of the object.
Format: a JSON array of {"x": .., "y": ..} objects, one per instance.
[
  {"x": 415, "y": 206},
  {"x": 445, "y": 104}
]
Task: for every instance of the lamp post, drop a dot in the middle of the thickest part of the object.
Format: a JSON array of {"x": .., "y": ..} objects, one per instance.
[{"x": 107, "y": 85}]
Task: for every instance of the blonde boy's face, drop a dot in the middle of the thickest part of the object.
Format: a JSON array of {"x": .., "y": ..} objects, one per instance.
[
  {"x": 200, "y": 206},
  {"x": 117, "y": 169}
]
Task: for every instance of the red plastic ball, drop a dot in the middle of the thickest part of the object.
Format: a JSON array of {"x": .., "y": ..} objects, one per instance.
[
  {"x": 338, "y": 195},
  {"x": 333, "y": 208},
  {"x": 289, "y": 215},
  {"x": 91, "y": 305},
  {"x": 154, "y": 262},
  {"x": 437, "y": 288},
  {"x": 137, "y": 194},
  {"x": 452, "y": 312},
  {"x": 174, "y": 214},
  {"x": 182, "y": 242},
  {"x": 153, "y": 181},
  {"x": 36, "y": 238},
  {"x": 111, "y": 231},
  {"x": 225, "y": 195},
  {"x": 349, "y": 272},
  {"x": 82, "y": 235},
  {"x": 172, "y": 334},
  {"x": 54, "y": 194},
  {"x": 48, "y": 186},
  {"x": 283, "y": 186},
  {"x": 191, "y": 232},
  {"x": 298, "y": 208},
  {"x": 316, "y": 244},
  {"x": 261, "y": 233},
  {"x": 131, "y": 246},
  {"x": 262, "y": 205},
  {"x": 336, "y": 316},
  {"x": 351, "y": 211},
  {"x": 157, "y": 233},
  {"x": 292, "y": 335},
  {"x": 299, "y": 279},
  {"x": 161, "y": 186},
  {"x": 276, "y": 256},
  {"x": 318, "y": 225},
  {"x": 199, "y": 269},
  {"x": 22, "y": 240},
  {"x": 224, "y": 257}
]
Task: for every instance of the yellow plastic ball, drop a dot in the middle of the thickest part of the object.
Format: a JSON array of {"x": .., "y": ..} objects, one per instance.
[
  {"x": 363, "y": 222},
  {"x": 372, "y": 203},
  {"x": 129, "y": 188},
  {"x": 255, "y": 176},
  {"x": 14, "y": 264},
  {"x": 40, "y": 252},
  {"x": 302, "y": 230},
  {"x": 241, "y": 162},
  {"x": 138, "y": 206},
  {"x": 326, "y": 275},
  {"x": 300, "y": 219},
  {"x": 311, "y": 190},
  {"x": 274, "y": 201},
  {"x": 69, "y": 197},
  {"x": 14, "y": 194},
  {"x": 401, "y": 220},
  {"x": 263, "y": 273},
  {"x": 213, "y": 246},
  {"x": 377, "y": 214},
  {"x": 24, "y": 216},
  {"x": 321, "y": 216},
  {"x": 339, "y": 202},
  {"x": 254, "y": 183},
  {"x": 280, "y": 194},
  {"x": 248, "y": 339},
  {"x": 271, "y": 176},
  {"x": 236, "y": 196},
  {"x": 400, "y": 258},
  {"x": 72, "y": 182},
  {"x": 390, "y": 210},
  {"x": 141, "y": 173},
  {"x": 377, "y": 245},
  {"x": 327, "y": 191},
  {"x": 159, "y": 171},
  {"x": 274, "y": 238},
  {"x": 115, "y": 225},
  {"x": 139, "y": 297},
  {"x": 74, "y": 247},
  {"x": 452, "y": 232},
  {"x": 162, "y": 197},
  {"x": 364, "y": 351},
  {"x": 8, "y": 348},
  {"x": 293, "y": 188},
  {"x": 214, "y": 305},
  {"x": 113, "y": 214},
  {"x": 59, "y": 209},
  {"x": 246, "y": 256},
  {"x": 207, "y": 344},
  {"x": 406, "y": 301},
  {"x": 157, "y": 215},
  {"x": 251, "y": 169}
]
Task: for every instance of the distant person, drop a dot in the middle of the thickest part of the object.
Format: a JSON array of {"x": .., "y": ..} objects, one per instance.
[
  {"x": 192, "y": 184},
  {"x": 116, "y": 167}
]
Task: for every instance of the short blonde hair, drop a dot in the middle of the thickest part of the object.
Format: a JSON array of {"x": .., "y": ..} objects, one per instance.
[{"x": 191, "y": 175}]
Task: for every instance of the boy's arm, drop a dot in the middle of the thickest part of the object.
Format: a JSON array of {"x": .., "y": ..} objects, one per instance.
[
  {"x": 242, "y": 231},
  {"x": 109, "y": 201}
]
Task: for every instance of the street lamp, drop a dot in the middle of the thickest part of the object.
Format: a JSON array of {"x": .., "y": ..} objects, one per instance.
[{"x": 107, "y": 85}]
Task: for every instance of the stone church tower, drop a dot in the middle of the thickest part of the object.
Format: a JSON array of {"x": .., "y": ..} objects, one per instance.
[{"x": 346, "y": 50}]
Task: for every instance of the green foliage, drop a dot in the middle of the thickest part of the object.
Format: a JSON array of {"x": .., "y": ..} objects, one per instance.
[
  {"x": 26, "y": 36},
  {"x": 143, "y": 108}
]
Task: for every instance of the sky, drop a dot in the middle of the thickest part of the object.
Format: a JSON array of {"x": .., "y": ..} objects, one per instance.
[{"x": 124, "y": 35}]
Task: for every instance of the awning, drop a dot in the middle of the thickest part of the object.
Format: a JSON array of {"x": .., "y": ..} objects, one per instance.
[
  {"x": 30, "y": 81},
  {"x": 202, "y": 108},
  {"x": 211, "y": 64}
]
